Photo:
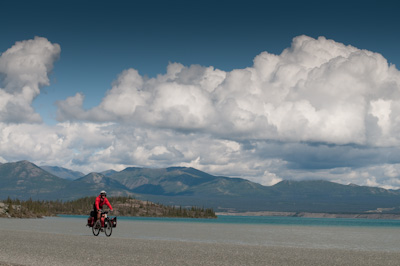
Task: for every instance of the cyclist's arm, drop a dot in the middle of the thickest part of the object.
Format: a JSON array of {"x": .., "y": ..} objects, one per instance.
[
  {"x": 96, "y": 203},
  {"x": 108, "y": 204}
]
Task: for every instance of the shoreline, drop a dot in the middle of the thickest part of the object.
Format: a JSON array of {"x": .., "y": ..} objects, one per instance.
[{"x": 315, "y": 215}]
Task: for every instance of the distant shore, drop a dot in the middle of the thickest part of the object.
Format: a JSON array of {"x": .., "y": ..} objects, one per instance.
[{"x": 316, "y": 215}]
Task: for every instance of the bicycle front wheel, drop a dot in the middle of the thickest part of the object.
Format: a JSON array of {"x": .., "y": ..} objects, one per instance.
[
  {"x": 96, "y": 228},
  {"x": 108, "y": 227}
]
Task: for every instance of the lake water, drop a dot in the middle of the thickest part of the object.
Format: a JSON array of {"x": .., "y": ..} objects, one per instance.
[
  {"x": 274, "y": 220},
  {"x": 320, "y": 233}
]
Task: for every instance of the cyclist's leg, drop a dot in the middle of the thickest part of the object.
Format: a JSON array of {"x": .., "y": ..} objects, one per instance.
[{"x": 94, "y": 212}]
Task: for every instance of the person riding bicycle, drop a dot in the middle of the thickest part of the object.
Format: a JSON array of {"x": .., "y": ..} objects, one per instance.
[{"x": 99, "y": 202}]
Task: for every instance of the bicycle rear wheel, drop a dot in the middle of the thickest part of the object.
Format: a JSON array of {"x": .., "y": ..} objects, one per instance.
[
  {"x": 108, "y": 227},
  {"x": 96, "y": 228}
]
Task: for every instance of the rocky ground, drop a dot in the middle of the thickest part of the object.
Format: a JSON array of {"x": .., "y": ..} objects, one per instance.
[{"x": 3, "y": 210}]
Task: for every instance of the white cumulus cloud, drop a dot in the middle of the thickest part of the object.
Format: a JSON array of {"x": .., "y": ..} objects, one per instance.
[
  {"x": 24, "y": 69},
  {"x": 317, "y": 90}
]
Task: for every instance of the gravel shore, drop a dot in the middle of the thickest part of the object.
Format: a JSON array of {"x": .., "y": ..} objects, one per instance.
[{"x": 35, "y": 246}]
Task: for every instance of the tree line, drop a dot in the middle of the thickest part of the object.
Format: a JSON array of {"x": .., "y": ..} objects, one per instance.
[{"x": 123, "y": 206}]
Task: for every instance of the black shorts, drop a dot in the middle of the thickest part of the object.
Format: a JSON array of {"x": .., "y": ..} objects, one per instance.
[{"x": 94, "y": 212}]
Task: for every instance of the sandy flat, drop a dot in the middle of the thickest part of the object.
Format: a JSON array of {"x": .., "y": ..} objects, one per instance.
[{"x": 40, "y": 242}]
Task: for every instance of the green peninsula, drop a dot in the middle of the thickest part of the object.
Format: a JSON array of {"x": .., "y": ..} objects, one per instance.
[{"x": 123, "y": 206}]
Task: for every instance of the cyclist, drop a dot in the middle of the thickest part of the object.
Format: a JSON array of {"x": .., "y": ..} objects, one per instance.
[{"x": 99, "y": 202}]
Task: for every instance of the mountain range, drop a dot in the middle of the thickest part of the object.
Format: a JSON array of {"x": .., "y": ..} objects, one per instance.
[{"x": 187, "y": 186}]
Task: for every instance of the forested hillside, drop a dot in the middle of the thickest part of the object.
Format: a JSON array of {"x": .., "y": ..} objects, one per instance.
[{"x": 123, "y": 206}]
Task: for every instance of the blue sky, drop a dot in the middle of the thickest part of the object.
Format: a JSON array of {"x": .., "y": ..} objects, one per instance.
[{"x": 99, "y": 41}]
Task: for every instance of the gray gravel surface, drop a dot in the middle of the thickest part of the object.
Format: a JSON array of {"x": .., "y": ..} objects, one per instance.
[
  {"x": 38, "y": 248},
  {"x": 66, "y": 241}
]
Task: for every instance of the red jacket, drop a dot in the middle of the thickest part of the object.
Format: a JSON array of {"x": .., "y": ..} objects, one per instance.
[{"x": 100, "y": 202}]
